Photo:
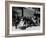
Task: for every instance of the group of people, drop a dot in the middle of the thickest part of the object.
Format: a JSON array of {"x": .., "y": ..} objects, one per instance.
[{"x": 25, "y": 22}]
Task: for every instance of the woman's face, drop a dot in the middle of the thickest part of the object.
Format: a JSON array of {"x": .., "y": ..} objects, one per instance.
[{"x": 22, "y": 19}]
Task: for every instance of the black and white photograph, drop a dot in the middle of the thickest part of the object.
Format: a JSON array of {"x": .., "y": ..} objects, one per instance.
[{"x": 25, "y": 18}]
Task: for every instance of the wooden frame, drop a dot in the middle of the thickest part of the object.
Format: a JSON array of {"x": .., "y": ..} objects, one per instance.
[{"x": 7, "y": 19}]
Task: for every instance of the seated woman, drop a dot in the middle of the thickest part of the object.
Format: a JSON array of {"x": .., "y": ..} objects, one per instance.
[{"x": 21, "y": 23}]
